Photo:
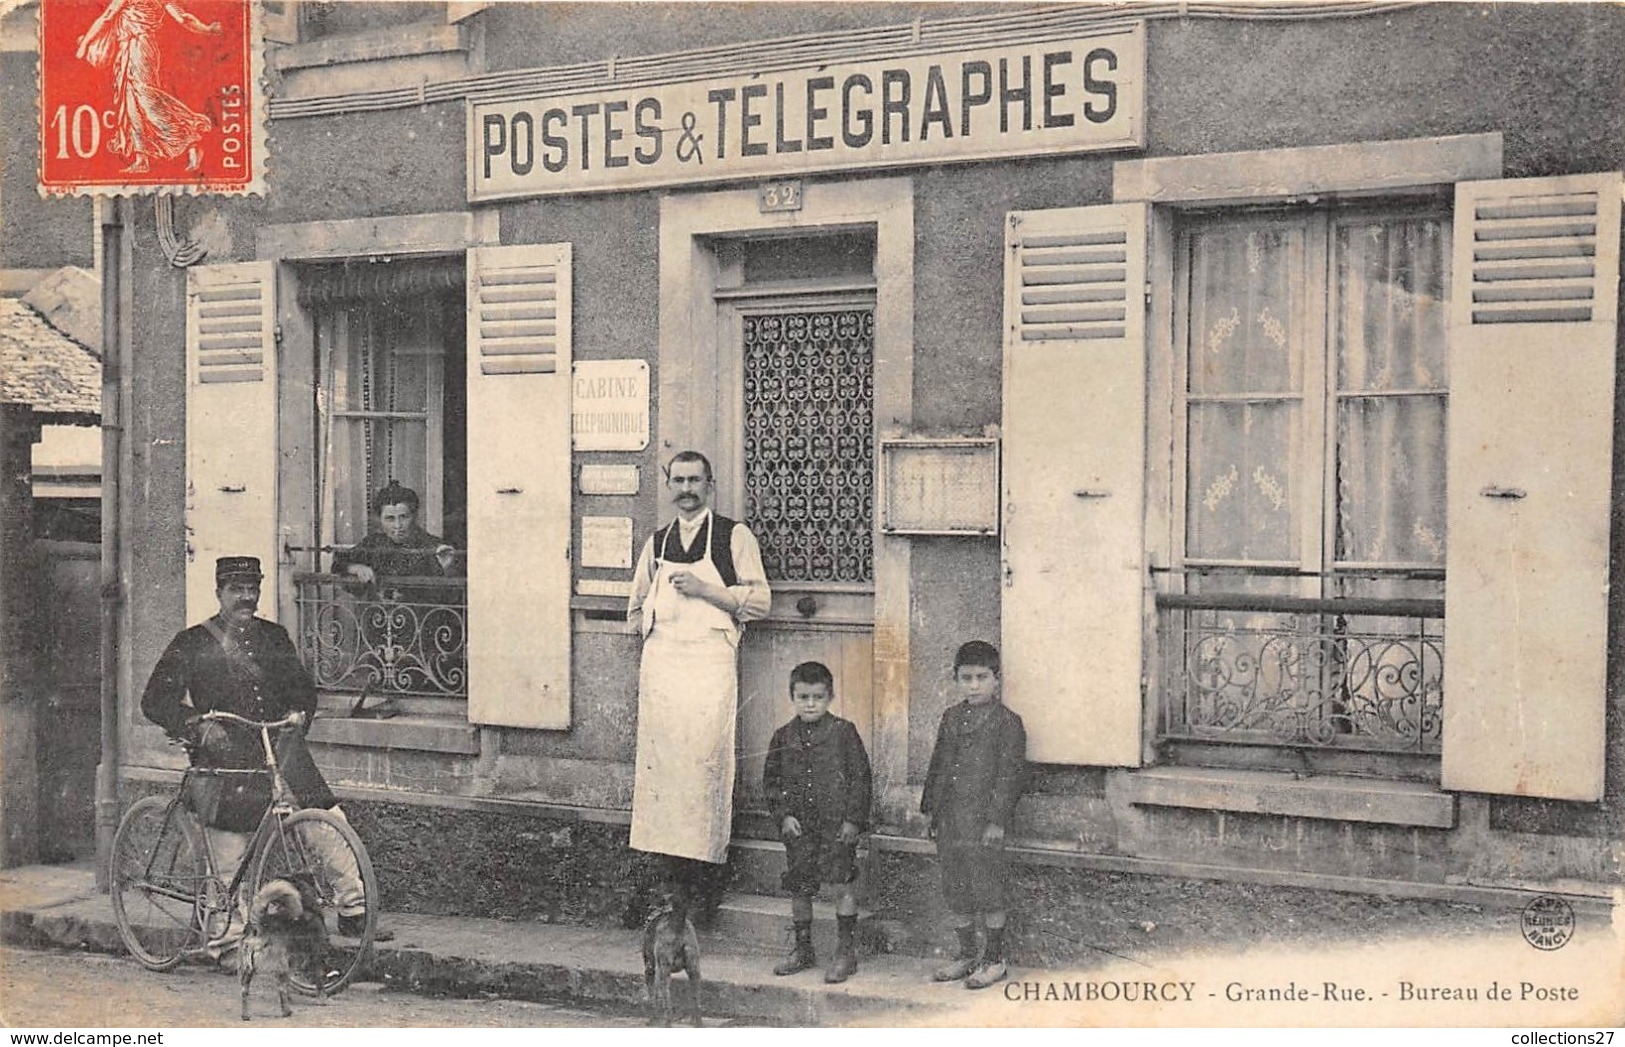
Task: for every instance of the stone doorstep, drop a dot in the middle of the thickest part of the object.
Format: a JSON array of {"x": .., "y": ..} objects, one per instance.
[
  {"x": 764, "y": 922},
  {"x": 534, "y": 961},
  {"x": 758, "y": 866}
]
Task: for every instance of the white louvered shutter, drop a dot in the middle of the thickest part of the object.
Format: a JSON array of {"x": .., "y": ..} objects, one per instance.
[
  {"x": 1074, "y": 475},
  {"x": 231, "y": 436},
  {"x": 519, "y": 485},
  {"x": 1532, "y": 347}
]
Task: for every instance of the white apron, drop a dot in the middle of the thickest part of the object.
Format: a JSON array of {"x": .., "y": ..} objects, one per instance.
[{"x": 688, "y": 684}]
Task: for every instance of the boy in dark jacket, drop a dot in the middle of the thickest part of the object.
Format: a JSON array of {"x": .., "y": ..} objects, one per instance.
[
  {"x": 816, "y": 778},
  {"x": 978, "y": 767}
]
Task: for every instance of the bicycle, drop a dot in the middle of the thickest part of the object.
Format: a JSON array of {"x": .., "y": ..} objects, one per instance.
[{"x": 171, "y": 903}]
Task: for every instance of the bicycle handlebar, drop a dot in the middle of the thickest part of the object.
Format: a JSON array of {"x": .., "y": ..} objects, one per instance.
[{"x": 293, "y": 719}]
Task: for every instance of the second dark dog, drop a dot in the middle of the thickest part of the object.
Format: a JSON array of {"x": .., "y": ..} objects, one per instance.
[
  {"x": 670, "y": 945},
  {"x": 286, "y": 935}
]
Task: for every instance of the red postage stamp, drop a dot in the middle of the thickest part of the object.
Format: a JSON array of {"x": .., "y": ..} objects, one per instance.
[{"x": 150, "y": 96}]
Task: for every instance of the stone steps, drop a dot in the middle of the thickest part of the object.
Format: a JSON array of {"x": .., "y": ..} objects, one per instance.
[{"x": 764, "y": 922}]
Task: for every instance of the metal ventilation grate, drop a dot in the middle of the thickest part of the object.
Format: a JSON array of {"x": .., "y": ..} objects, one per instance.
[
  {"x": 231, "y": 333},
  {"x": 1073, "y": 285},
  {"x": 518, "y": 320},
  {"x": 1534, "y": 258}
]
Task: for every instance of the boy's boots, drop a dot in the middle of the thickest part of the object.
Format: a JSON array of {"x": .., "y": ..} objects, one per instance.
[
  {"x": 964, "y": 960},
  {"x": 992, "y": 968},
  {"x": 845, "y": 964},
  {"x": 802, "y": 957}
]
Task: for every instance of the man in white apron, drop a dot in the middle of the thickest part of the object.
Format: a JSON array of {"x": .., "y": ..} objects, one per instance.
[{"x": 697, "y": 581}]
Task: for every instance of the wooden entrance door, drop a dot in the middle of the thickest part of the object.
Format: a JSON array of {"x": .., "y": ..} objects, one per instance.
[{"x": 798, "y": 453}]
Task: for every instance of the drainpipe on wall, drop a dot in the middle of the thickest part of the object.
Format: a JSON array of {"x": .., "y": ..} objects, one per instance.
[{"x": 115, "y": 277}]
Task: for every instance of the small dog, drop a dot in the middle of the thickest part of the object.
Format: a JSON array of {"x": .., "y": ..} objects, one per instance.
[
  {"x": 286, "y": 934},
  {"x": 670, "y": 945}
]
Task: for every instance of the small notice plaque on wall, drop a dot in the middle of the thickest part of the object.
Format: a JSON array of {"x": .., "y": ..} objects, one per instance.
[
  {"x": 608, "y": 479},
  {"x": 940, "y": 486},
  {"x": 609, "y": 405},
  {"x": 606, "y": 541}
]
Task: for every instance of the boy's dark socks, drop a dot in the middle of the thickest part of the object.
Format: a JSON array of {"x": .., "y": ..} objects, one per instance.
[
  {"x": 995, "y": 945},
  {"x": 967, "y": 940}
]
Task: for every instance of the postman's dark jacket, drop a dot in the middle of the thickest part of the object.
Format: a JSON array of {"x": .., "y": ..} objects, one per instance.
[{"x": 195, "y": 664}]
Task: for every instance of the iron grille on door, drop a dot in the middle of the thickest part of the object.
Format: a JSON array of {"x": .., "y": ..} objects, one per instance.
[{"x": 809, "y": 442}]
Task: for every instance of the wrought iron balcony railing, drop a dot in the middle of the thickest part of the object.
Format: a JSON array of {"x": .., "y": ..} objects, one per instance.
[
  {"x": 1342, "y": 673},
  {"x": 406, "y": 636}
]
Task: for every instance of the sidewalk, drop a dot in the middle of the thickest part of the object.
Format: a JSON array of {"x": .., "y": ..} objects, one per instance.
[
  {"x": 1464, "y": 968},
  {"x": 58, "y": 906}
]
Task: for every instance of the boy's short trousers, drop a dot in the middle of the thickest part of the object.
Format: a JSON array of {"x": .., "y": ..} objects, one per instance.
[
  {"x": 972, "y": 877},
  {"x": 816, "y": 857}
]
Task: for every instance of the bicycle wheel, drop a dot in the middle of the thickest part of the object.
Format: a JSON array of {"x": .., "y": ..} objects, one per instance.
[
  {"x": 320, "y": 845},
  {"x": 159, "y": 882}
]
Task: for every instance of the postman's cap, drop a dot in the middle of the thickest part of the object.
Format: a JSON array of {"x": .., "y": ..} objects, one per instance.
[{"x": 228, "y": 567}]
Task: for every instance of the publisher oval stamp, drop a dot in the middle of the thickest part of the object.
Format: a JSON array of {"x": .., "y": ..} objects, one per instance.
[{"x": 1548, "y": 923}]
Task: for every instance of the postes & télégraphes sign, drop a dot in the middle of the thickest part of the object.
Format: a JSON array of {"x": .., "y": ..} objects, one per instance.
[{"x": 1080, "y": 94}]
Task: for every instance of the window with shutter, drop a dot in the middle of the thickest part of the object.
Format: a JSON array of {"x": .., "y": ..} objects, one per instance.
[
  {"x": 390, "y": 617},
  {"x": 1305, "y": 606},
  {"x": 519, "y": 476},
  {"x": 1074, "y": 476},
  {"x": 1373, "y": 405},
  {"x": 231, "y": 419},
  {"x": 1533, "y": 339}
]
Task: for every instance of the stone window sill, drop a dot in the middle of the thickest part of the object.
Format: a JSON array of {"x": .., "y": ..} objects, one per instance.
[
  {"x": 399, "y": 42},
  {"x": 435, "y": 734},
  {"x": 1267, "y": 792}
]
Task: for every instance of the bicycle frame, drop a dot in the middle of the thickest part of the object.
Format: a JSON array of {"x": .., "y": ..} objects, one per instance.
[
  {"x": 280, "y": 806},
  {"x": 288, "y": 841}
]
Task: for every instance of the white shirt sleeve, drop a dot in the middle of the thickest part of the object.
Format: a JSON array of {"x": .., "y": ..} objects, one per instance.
[
  {"x": 752, "y": 595},
  {"x": 643, "y": 576}
]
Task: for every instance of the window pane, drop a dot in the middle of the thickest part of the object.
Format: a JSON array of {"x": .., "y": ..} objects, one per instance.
[
  {"x": 1391, "y": 288},
  {"x": 394, "y": 367},
  {"x": 389, "y": 361},
  {"x": 1389, "y": 335},
  {"x": 1241, "y": 502},
  {"x": 845, "y": 255},
  {"x": 1244, "y": 308},
  {"x": 386, "y": 371},
  {"x": 1390, "y": 479}
]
